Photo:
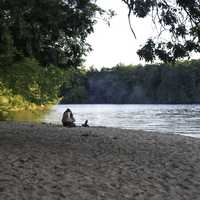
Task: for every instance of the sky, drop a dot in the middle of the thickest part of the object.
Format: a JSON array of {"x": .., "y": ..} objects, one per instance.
[{"x": 116, "y": 44}]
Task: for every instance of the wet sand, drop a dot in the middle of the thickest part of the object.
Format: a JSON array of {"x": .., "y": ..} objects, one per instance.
[{"x": 49, "y": 162}]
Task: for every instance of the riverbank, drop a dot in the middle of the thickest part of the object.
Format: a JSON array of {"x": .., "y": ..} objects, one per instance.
[{"x": 40, "y": 161}]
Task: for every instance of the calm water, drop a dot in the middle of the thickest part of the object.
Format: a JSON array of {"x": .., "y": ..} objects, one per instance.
[{"x": 178, "y": 119}]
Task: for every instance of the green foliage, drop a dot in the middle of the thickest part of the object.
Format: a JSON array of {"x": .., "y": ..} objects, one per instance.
[
  {"x": 53, "y": 32},
  {"x": 35, "y": 83},
  {"x": 158, "y": 83},
  {"x": 74, "y": 88},
  {"x": 36, "y": 36},
  {"x": 6, "y": 46},
  {"x": 76, "y": 95},
  {"x": 180, "y": 18},
  {"x": 26, "y": 84}
]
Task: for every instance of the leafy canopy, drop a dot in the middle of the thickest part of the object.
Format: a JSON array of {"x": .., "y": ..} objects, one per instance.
[
  {"x": 52, "y": 31},
  {"x": 180, "y": 18}
]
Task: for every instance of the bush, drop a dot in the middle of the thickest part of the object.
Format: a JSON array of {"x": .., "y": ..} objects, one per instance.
[{"x": 26, "y": 83}]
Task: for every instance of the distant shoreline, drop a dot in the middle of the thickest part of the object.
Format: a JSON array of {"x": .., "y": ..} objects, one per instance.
[{"x": 49, "y": 161}]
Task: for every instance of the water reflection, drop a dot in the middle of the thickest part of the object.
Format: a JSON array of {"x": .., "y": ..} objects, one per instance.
[{"x": 179, "y": 119}]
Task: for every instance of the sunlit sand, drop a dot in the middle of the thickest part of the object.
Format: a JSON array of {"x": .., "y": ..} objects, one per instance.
[{"x": 40, "y": 161}]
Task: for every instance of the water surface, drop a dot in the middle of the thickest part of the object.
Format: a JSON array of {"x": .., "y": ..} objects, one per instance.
[{"x": 177, "y": 119}]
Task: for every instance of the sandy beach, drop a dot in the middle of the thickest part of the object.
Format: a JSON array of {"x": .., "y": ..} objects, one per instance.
[{"x": 49, "y": 162}]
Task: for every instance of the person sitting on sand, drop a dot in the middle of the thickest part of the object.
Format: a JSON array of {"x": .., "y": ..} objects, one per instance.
[{"x": 68, "y": 119}]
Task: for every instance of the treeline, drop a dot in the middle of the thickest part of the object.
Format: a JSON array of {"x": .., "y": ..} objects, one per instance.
[
  {"x": 157, "y": 83},
  {"x": 28, "y": 86},
  {"x": 42, "y": 44}
]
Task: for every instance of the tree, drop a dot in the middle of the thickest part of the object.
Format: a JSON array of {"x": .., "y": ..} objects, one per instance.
[
  {"x": 181, "y": 18},
  {"x": 52, "y": 31}
]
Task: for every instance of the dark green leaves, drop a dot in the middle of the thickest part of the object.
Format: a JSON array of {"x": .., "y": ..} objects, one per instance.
[
  {"x": 180, "y": 18},
  {"x": 52, "y": 31},
  {"x": 147, "y": 51}
]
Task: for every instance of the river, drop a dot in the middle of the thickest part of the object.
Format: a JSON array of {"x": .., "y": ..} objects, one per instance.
[{"x": 175, "y": 119}]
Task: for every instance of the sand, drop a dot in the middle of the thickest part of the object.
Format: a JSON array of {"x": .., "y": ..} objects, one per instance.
[{"x": 48, "y": 162}]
